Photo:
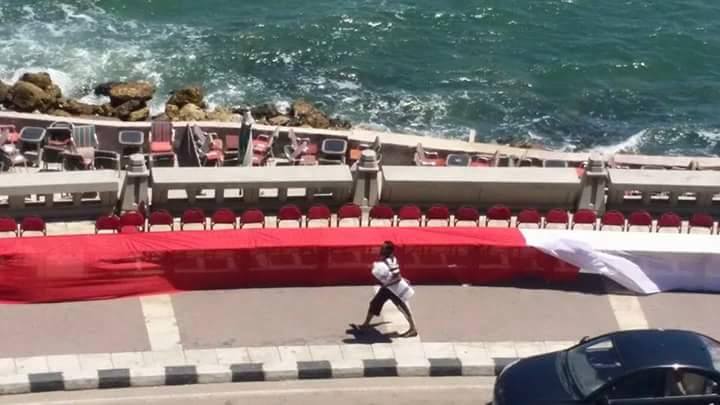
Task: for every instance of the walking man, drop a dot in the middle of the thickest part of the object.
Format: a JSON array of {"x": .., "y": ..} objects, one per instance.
[{"x": 394, "y": 288}]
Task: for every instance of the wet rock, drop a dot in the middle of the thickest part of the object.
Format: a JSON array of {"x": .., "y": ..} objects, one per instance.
[
  {"x": 280, "y": 120},
  {"x": 41, "y": 79},
  {"x": 75, "y": 107},
  {"x": 60, "y": 113},
  {"x": 124, "y": 92},
  {"x": 103, "y": 89},
  {"x": 27, "y": 97},
  {"x": 172, "y": 111},
  {"x": 191, "y": 112},
  {"x": 124, "y": 110},
  {"x": 106, "y": 110},
  {"x": 222, "y": 114},
  {"x": 4, "y": 92},
  {"x": 187, "y": 95},
  {"x": 54, "y": 92},
  {"x": 300, "y": 108},
  {"x": 309, "y": 115},
  {"x": 139, "y": 115},
  {"x": 161, "y": 117},
  {"x": 264, "y": 111},
  {"x": 340, "y": 123}
]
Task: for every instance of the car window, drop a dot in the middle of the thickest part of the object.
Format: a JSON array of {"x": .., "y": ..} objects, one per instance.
[
  {"x": 687, "y": 382},
  {"x": 594, "y": 364},
  {"x": 643, "y": 384}
]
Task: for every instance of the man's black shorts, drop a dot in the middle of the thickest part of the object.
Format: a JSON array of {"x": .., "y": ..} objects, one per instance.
[{"x": 382, "y": 296}]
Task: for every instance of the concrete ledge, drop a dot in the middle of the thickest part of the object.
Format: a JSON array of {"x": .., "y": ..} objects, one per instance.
[
  {"x": 402, "y": 359},
  {"x": 246, "y": 372}
]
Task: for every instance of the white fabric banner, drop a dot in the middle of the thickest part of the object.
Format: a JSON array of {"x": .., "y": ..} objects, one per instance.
[{"x": 645, "y": 263}]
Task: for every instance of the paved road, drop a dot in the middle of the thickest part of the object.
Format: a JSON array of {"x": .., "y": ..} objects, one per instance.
[
  {"x": 403, "y": 391},
  {"x": 299, "y": 316}
]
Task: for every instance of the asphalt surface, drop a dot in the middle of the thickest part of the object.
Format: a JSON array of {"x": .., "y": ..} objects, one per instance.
[
  {"x": 297, "y": 316},
  {"x": 396, "y": 391}
]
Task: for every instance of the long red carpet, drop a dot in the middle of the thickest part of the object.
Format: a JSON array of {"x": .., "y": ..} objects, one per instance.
[{"x": 65, "y": 268}]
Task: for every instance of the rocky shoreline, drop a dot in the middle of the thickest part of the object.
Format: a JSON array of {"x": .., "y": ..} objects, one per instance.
[{"x": 36, "y": 92}]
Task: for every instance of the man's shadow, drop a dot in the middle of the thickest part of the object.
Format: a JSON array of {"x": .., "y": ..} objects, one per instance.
[{"x": 366, "y": 336}]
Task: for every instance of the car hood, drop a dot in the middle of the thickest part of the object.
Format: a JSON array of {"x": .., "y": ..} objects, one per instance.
[{"x": 534, "y": 380}]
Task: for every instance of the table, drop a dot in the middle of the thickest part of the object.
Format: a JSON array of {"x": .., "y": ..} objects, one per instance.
[{"x": 457, "y": 159}]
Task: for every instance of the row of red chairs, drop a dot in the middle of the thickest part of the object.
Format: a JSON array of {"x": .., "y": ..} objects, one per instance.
[
  {"x": 557, "y": 217},
  {"x": 134, "y": 221},
  {"x": 28, "y": 224}
]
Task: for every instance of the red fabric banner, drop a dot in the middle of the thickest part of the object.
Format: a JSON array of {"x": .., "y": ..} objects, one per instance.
[{"x": 66, "y": 268}]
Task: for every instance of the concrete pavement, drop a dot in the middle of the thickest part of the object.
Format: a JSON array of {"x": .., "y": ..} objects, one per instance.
[
  {"x": 320, "y": 316},
  {"x": 279, "y": 332}
]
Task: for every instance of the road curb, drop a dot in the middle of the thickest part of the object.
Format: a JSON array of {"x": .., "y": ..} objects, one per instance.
[{"x": 187, "y": 374}]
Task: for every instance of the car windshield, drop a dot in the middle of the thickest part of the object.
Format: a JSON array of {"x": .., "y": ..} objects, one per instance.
[
  {"x": 713, "y": 349},
  {"x": 593, "y": 364}
]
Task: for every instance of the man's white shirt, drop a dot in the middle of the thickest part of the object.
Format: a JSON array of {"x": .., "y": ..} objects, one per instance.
[{"x": 382, "y": 271}]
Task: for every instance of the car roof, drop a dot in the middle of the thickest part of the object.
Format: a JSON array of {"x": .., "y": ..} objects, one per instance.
[{"x": 658, "y": 347}]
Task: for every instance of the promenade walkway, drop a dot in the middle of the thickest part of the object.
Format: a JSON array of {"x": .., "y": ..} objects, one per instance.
[{"x": 288, "y": 333}]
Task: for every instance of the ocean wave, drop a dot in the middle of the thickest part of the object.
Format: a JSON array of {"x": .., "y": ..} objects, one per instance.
[{"x": 441, "y": 71}]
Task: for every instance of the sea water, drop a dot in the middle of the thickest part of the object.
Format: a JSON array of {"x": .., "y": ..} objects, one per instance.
[{"x": 637, "y": 75}]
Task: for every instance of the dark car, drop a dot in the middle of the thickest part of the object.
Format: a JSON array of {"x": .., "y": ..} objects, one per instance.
[{"x": 628, "y": 367}]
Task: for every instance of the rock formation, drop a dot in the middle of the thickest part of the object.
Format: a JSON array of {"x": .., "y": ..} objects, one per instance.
[
  {"x": 4, "y": 91},
  {"x": 123, "y": 92},
  {"x": 27, "y": 97},
  {"x": 187, "y": 95},
  {"x": 128, "y": 102}
]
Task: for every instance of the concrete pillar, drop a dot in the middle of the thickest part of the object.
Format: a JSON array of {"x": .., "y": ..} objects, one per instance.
[
  {"x": 366, "y": 190},
  {"x": 136, "y": 184},
  {"x": 593, "y": 183}
]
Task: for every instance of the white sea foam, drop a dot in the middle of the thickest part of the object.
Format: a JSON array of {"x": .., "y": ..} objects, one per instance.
[{"x": 629, "y": 144}]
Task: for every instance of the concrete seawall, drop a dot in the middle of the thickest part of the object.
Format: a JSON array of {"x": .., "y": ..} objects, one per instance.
[{"x": 398, "y": 146}]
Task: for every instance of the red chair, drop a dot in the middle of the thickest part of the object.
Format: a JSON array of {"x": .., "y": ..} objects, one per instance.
[
  {"x": 289, "y": 212},
  {"x": 529, "y": 217},
  {"x": 132, "y": 220},
  {"x": 161, "y": 218},
  {"x": 498, "y": 213},
  {"x": 584, "y": 216},
  {"x": 438, "y": 213},
  {"x": 409, "y": 213},
  {"x": 640, "y": 218},
  {"x": 669, "y": 220},
  {"x": 8, "y": 225},
  {"x": 108, "y": 223},
  {"x": 193, "y": 216},
  {"x": 381, "y": 212},
  {"x": 557, "y": 217},
  {"x": 349, "y": 211},
  {"x": 224, "y": 216},
  {"x": 318, "y": 212},
  {"x": 161, "y": 139},
  {"x": 613, "y": 218},
  {"x": 467, "y": 214},
  {"x": 252, "y": 216},
  {"x": 32, "y": 224},
  {"x": 701, "y": 220}
]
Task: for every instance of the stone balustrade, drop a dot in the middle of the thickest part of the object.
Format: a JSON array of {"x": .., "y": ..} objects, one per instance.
[
  {"x": 268, "y": 188},
  {"x": 88, "y": 194},
  {"x": 516, "y": 187},
  {"x": 60, "y": 195},
  {"x": 657, "y": 191}
]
